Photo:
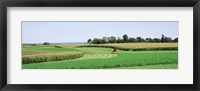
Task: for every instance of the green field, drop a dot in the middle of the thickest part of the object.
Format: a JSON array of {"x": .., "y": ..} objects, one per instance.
[{"x": 101, "y": 56}]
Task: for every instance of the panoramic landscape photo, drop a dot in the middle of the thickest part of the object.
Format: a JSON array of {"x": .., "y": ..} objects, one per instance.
[{"x": 100, "y": 45}]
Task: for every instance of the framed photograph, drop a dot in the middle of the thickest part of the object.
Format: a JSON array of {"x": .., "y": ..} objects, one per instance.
[{"x": 99, "y": 44}]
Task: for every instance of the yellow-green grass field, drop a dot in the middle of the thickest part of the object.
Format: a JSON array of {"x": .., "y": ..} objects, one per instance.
[
  {"x": 137, "y": 46},
  {"x": 100, "y": 56}
]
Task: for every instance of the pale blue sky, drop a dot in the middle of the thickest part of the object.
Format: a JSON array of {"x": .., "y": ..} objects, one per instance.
[{"x": 39, "y": 32}]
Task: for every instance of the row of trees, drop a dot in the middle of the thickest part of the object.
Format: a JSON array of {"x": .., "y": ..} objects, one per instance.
[{"x": 126, "y": 39}]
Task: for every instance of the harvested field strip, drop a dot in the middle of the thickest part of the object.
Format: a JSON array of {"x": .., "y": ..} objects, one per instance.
[
  {"x": 97, "y": 56},
  {"x": 133, "y": 49},
  {"x": 142, "y": 45}
]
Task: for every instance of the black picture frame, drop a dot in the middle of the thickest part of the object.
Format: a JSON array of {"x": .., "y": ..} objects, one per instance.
[{"x": 99, "y": 3}]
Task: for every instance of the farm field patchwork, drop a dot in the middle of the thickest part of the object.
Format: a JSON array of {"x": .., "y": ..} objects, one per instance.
[{"x": 101, "y": 57}]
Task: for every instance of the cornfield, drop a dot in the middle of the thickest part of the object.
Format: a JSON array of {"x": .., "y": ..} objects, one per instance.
[{"x": 26, "y": 59}]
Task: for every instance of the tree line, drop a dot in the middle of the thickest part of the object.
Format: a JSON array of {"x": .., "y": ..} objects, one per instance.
[{"x": 126, "y": 39}]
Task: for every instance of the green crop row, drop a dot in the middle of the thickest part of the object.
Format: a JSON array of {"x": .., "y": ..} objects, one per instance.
[{"x": 26, "y": 59}]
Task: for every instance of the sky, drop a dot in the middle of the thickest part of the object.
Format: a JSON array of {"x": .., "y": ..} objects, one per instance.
[{"x": 59, "y": 32}]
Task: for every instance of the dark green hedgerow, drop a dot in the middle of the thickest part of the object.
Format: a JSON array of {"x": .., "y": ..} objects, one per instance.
[
  {"x": 26, "y": 59},
  {"x": 134, "y": 49}
]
